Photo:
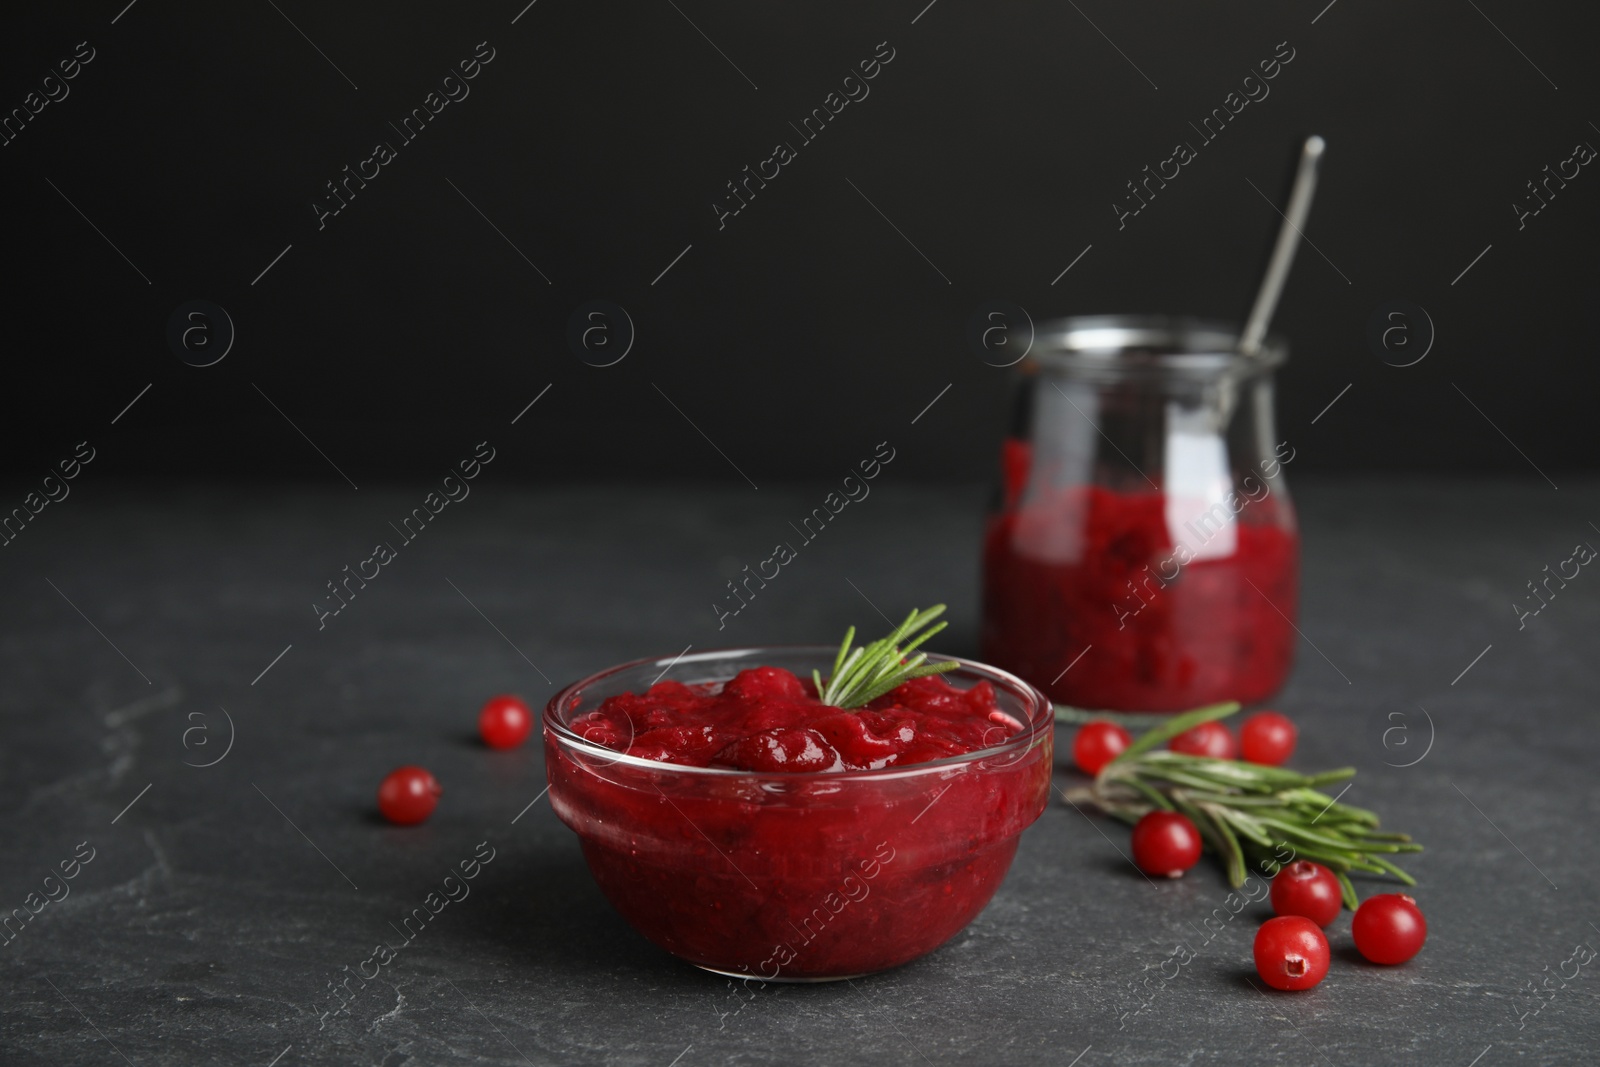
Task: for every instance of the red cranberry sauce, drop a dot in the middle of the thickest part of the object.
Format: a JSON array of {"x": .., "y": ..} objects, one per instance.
[{"x": 766, "y": 719}]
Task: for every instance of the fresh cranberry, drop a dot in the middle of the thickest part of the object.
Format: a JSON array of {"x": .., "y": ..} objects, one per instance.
[
  {"x": 1291, "y": 952},
  {"x": 505, "y": 722},
  {"x": 1097, "y": 744},
  {"x": 1165, "y": 844},
  {"x": 1267, "y": 737},
  {"x": 408, "y": 795},
  {"x": 1208, "y": 739},
  {"x": 1389, "y": 928},
  {"x": 1309, "y": 890}
]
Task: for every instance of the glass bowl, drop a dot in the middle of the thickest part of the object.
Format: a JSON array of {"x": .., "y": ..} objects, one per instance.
[{"x": 797, "y": 877}]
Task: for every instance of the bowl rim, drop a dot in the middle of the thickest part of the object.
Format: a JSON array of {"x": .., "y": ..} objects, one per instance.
[{"x": 1040, "y": 724}]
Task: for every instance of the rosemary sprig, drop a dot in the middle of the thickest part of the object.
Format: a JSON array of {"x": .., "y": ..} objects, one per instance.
[
  {"x": 1245, "y": 810},
  {"x": 862, "y": 675}
]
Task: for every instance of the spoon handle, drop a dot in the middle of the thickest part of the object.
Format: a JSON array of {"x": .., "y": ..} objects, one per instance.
[{"x": 1289, "y": 234}]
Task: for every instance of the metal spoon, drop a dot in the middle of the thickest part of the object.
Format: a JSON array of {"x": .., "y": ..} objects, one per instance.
[{"x": 1305, "y": 184}]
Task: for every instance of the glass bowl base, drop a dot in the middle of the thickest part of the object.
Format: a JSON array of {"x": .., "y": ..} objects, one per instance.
[{"x": 745, "y": 976}]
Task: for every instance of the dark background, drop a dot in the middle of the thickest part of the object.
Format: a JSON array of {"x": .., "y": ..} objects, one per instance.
[
  {"x": 182, "y": 581},
  {"x": 808, "y": 329}
]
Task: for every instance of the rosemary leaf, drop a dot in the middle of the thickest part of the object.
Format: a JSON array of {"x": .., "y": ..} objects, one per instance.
[
  {"x": 1154, "y": 796},
  {"x": 1392, "y": 869},
  {"x": 1347, "y": 891},
  {"x": 862, "y": 675},
  {"x": 1178, "y": 725},
  {"x": 1233, "y": 857}
]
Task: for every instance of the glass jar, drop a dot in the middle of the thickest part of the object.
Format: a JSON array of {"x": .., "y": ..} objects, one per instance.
[{"x": 1143, "y": 553}]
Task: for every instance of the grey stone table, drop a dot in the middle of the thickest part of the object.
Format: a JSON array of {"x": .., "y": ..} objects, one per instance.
[{"x": 146, "y": 629}]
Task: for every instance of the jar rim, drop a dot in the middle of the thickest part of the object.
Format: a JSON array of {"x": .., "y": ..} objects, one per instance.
[{"x": 1159, "y": 346}]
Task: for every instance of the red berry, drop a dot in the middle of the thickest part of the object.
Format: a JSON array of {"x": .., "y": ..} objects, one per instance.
[
  {"x": 1291, "y": 952},
  {"x": 408, "y": 795},
  {"x": 1208, "y": 739},
  {"x": 1267, "y": 737},
  {"x": 1389, "y": 928},
  {"x": 1309, "y": 890},
  {"x": 505, "y": 722},
  {"x": 1097, "y": 744},
  {"x": 1165, "y": 844}
]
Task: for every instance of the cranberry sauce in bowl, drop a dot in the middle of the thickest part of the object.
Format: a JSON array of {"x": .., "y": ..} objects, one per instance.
[{"x": 743, "y": 825}]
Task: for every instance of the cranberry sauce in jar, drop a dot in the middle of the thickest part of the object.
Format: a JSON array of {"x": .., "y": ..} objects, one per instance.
[{"x": 1144, "y": 553}]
